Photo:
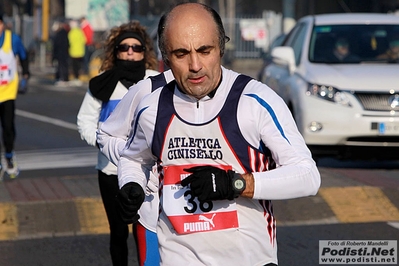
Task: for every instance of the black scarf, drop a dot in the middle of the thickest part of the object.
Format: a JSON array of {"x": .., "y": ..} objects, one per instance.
[{"x": 127, "y": 72}]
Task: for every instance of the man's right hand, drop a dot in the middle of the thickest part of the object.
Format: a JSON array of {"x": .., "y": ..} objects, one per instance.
[{"x": 129, "y": 200}]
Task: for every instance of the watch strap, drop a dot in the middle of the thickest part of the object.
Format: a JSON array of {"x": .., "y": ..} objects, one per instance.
[{"x": 238, "y": 184}]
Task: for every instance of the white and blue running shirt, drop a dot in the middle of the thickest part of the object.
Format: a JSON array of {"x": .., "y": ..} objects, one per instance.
[{"x": 245, "y": 127}]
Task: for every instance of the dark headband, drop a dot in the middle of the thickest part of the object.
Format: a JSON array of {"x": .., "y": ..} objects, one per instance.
[{"x": 129, "y": 34}]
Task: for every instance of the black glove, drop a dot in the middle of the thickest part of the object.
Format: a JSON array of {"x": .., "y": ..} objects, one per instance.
[
  {"x": 129, "y": 200},
  {"x": 210, "y": 183}
]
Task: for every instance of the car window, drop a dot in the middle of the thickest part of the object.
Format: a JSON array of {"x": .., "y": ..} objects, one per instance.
[
  {"x": 277, "y": 41},
  {"x": 291, "y": 35},
  {"x": 337, "y": 44},
  {"x": 296, "y": 40}
]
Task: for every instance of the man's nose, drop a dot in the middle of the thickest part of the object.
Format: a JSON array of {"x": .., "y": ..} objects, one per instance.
[{"x": 195, "y": 64}]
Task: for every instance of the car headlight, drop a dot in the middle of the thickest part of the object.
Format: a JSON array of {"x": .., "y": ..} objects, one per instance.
[{"x": 328, "y": 93}]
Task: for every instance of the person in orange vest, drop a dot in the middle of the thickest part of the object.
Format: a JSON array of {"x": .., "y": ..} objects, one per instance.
[{"x": 11, "y": 46}]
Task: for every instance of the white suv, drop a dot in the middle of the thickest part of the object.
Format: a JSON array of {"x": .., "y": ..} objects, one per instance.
[{"x": 345, "y": 106}]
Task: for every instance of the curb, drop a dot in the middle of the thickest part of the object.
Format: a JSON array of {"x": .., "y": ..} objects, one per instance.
[{"x": 64, "y": 206}]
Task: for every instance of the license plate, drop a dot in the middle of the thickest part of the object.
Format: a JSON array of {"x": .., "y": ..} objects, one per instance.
[{"x": 388, "y": 128}]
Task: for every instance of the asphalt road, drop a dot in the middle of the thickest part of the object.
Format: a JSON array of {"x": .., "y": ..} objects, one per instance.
[{"x": 297, "y": 246}]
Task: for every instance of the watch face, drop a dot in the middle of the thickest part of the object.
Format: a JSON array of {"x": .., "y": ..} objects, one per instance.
[{"x": 239, "y": 184}]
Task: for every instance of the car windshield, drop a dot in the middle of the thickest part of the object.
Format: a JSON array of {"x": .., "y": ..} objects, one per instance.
[{"x": 342, "y": 44}]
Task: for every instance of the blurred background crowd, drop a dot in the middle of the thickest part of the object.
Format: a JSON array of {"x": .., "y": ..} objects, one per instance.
[{"x": 252, "y": 27}]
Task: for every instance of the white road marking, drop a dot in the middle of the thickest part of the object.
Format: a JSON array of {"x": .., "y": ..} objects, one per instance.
[
  {"x": 394, "y": 224},
  {"x": 46, "y": 119},
  {"x": 56, "y": 158}
]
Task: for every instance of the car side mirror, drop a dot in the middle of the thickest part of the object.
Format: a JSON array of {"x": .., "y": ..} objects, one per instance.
[{"x": 284, "y": 55}]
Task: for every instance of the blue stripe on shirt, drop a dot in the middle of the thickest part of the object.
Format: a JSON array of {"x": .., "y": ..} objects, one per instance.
[
  {"x": 107, "y": 108},
  {"x": 271, "y": 112},
  {"x": 136, "y": 123}
]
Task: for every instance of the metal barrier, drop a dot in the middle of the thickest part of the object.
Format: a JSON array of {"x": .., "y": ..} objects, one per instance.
[{"x": 252, "y": 35}]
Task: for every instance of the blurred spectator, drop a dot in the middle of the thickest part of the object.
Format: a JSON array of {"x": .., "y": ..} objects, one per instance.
[
  {"x": 89, "y": 48},
  {"x": 77, "y": 43},
  {"x": 61, "y": 53},
  {"x": 342, "y": 53},
  {"x": 392, "y": 53}
]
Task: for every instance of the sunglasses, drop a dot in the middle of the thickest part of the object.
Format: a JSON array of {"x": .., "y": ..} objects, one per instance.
[{"x": 124, "y": 48}]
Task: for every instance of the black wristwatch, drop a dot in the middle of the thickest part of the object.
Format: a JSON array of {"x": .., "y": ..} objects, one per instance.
[{"x": 238, "y": 183}]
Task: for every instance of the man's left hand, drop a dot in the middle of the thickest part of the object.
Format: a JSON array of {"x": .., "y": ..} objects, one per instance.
[{"x": 210, "y": 183}]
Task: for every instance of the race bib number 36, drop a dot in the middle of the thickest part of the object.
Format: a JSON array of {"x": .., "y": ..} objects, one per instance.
[{"x": 189, "y": 215}]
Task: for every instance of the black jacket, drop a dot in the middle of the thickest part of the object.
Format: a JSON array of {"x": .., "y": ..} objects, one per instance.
[{"x": 61, "y": 45}]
